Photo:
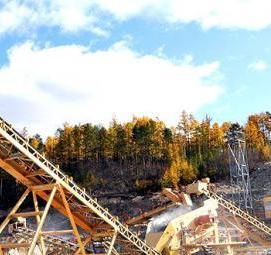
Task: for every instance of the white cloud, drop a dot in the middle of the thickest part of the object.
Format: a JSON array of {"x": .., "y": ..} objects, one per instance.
[
  {"x": 69, "y": 15},
  {"x": 247, "y": 14},
  {"x": 259, "y": 65},
  {"x": 93, "y": 15},
  {"x": 46, "y": 87}
]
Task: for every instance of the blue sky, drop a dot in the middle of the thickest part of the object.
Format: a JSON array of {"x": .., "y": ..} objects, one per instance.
[{"x": 89, "y": 61}]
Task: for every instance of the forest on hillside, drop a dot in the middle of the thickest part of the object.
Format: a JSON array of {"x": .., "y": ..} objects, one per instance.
[
  {"x": 144, "y": 154},
  {"x": 193, "y": 149}
]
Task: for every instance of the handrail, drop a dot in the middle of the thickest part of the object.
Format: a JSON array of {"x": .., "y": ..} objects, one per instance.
[
  {"x": 9, "y": 133},
  {"x": 235, "y": 210}
]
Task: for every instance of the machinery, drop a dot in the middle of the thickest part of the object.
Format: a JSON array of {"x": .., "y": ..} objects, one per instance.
[
  {"x": 19, "y": 222},
  {"x": 186, "y": 230},
  {"x": 207, "y": 225},
  {"x": 46, "y": 181},
  {"x": 194, "y": 229}
]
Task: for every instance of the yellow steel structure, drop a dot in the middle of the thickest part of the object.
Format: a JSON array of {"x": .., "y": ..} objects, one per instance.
[
  {"x": 54, "y": 245},
  {"x": 202, "y": 188},
  {"x": 174, "y": 238},
  {"x": 236, "y": 211},
  {"x": 47, "y": 181}
]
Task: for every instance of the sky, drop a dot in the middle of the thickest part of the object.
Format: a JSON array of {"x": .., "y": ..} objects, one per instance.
[{"x": 81, "y": 61}]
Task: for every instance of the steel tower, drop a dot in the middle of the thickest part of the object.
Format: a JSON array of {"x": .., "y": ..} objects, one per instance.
[{"x": 239, "y": 171}]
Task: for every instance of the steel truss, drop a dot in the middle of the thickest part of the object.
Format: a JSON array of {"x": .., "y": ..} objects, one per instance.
[
  {"x": 33, "y": 170},
  {"x": 234, "y": 210},
  {"x": 239, "y": 171}
]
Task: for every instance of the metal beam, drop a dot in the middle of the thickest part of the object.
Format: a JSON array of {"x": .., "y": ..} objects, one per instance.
[
  {"x": 26, "y": 214},
  {"x": 75, "y": 230},
  {"x": 14, "y": 245},
  {"x": 13, "y": 171},
  {"x": 42, "y": 220},
  {"x": 57, "y": 232},
  {"x": 36, "y": 206},
  {"x": 22, "y": 145},
  {"x": 36, "y": 173},
  {"x": 14, "y": 210},
  {"x": 112, "y": 243},
  {"x": 86, "y": 241},
  {"x": 42, "y": 187}
]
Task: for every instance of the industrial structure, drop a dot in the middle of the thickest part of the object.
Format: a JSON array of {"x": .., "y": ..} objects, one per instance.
[
  {"x": 239, "y": 171},
  {"x": 208, "y": 224}
]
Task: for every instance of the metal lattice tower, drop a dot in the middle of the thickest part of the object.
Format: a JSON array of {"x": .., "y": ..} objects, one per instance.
[{"x": 239, "y": 171}]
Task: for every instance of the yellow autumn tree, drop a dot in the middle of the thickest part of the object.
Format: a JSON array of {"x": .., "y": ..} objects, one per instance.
[
  {"x": 256, "y": 139},
  {"x": 179, "y": 168},
  {"x": 50, "y": 146}
]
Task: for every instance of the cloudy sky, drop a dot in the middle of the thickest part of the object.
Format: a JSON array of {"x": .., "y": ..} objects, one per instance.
[{"x": 91, "y": 60}]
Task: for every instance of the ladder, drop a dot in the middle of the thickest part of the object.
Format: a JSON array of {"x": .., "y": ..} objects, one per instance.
[
  {"x": 235, "y": 210},
  {"x": 8, "y": 135}
]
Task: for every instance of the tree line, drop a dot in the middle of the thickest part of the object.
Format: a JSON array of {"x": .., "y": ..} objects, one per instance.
[{"x": 192, "y": 149}]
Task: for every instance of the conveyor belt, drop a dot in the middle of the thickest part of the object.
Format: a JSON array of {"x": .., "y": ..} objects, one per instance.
[{"x": 28, "y": 166}]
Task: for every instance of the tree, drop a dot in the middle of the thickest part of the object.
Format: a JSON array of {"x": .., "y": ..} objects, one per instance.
[
  {"x": 50, "y": 147},
  {"x": 90, "y": 142},
  {"x": 257, "y": 136},
  {"x": 36, "y": 142},
  {"x": 179, "y": 169},
  {"x": 64, "y": 147},
  {"x": 77, "y": 142}
]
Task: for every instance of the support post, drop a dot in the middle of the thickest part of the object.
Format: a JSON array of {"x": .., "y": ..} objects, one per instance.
[
  {"x": 39, "y": 228},
  {"x": 229, "y": 248},
  {"x": 75, "y": 230},
  {"x": 14, "y": 210},
  {"x": 112, "y": 243},
  {"x": 87, "y": 240},
  {"x": 36, "y": 206},
  {"x": 216, "y": 237}
]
